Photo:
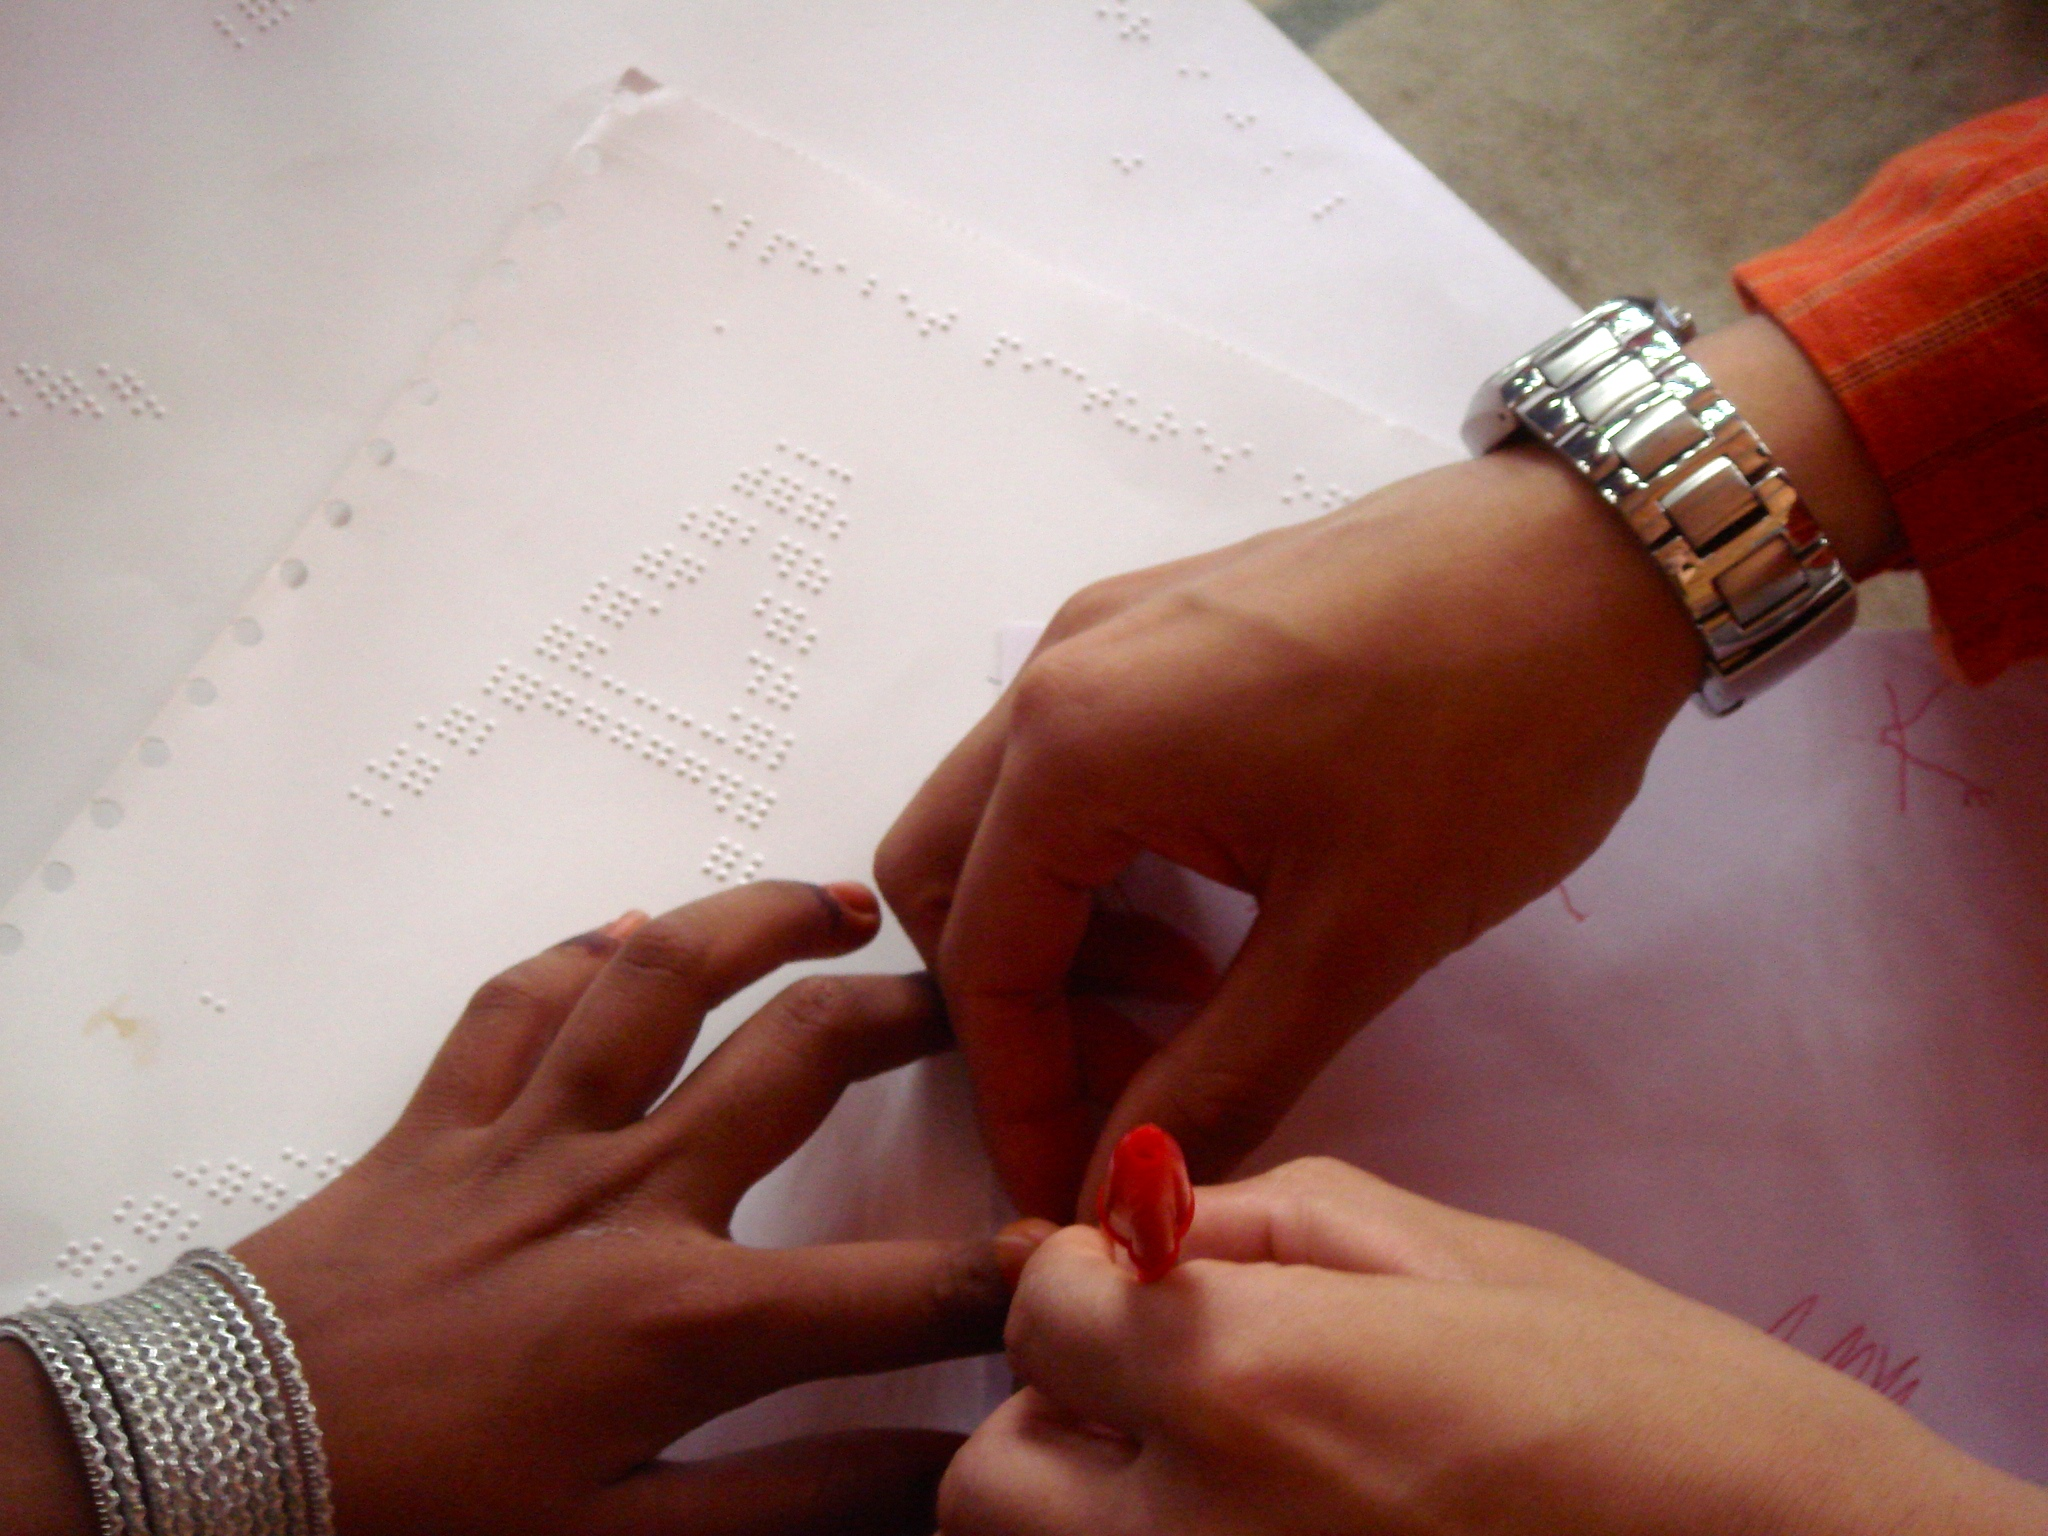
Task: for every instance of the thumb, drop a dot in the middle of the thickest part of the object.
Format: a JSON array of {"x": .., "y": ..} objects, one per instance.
[
  {"x": 1289, "y": 1001},
  {"x": 879, "y": 1482}
]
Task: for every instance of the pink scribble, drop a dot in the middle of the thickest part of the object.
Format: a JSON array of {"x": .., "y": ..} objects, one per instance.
[
  {"x": 1565, "y": 893},
  {"x": 1788, "y": 1326},
  {"x": 1856, "y": 1353},
  {"x": 1897, "y": 736}
]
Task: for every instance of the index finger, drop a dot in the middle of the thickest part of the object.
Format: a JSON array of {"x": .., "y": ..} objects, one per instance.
[
  {"x": 627, "y": 1035},
  {"x": 917, "y": 865},
  {"x": 1018, "y": 919}
]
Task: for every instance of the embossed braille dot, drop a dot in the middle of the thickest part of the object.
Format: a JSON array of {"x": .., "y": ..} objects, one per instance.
[
  {"x": 292, "y": 573},
  {"x": 10, "y": 939},
  {"x": 338, "y": 513},
  {"x": 590, "y": 159},
  {"x": 381, "y": 453},
  {"x": 425, "y": 391},
  {"x": 548, "y": 214},
  {"x": 154, "y": 752},
  {"x": 246, "y": 631},
  {"x": 106, "y": 813}
]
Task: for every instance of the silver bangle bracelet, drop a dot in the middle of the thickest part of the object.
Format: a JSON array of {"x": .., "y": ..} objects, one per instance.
[{"x": 186, "y": 1400}]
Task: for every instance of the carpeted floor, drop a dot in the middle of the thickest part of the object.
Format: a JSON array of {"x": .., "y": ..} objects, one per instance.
[
  {"x": 1651, "y": 144},
  {"x": 1631, "y": 146}
]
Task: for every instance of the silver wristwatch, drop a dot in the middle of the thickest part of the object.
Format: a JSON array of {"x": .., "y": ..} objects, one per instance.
[{"x": 1617, "y": 396}]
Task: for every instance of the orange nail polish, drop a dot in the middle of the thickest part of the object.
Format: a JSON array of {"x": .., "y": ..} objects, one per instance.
[
  {"x": 856, "y": 899},
  {"x": 624, "y": 926}
]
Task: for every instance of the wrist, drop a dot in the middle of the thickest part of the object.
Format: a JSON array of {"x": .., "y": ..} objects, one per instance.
[
  {"x": 42, "y": 1484},
  {"x": 1588, "y": 566}
]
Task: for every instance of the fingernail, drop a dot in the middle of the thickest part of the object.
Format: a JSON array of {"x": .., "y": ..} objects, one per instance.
[
  {"x": 602, "y": 941},
  {"x": 1017, "y": 1242},
  {"x": 852, "y": 898},
  {"x": 625, "y": 925}
]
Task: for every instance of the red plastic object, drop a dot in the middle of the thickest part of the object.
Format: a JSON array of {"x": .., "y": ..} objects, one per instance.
[{"x": 1147, "y": 1201}]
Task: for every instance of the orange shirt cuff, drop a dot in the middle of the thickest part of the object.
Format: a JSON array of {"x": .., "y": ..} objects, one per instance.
[{"x": 1925, "y": 306}]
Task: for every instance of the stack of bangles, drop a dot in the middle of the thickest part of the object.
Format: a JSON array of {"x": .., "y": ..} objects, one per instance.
[{"x": 188, "y": 1404}]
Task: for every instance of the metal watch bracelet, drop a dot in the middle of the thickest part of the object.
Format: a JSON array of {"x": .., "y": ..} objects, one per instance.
[{"x": 1616, "y": 395}]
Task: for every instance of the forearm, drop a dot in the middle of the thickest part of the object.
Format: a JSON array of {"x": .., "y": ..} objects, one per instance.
[{"x": 42, "y": 1486}]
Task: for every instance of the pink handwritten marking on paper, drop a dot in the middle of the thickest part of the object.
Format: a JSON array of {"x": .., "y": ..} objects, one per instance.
[
  {"x": 1856, "y": 1353},
  {"x": 1565, "y": 894},
  {"x": 1896, "y": 735}
]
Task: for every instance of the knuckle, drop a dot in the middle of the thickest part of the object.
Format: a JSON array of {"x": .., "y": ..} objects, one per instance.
[
  {"x": 1318, "y": 1176},
  {"x": 507, "y": 993},
  {"x": 668, "y": 950},
  {"x": 821, "y": 1010},
  {"x": 1057, "y": 688},
  {"x": 1088, "y": 607}
]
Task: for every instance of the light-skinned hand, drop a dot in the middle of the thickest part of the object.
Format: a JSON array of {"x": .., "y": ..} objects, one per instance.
[
  {"x": 1337, "y": 1357},
  {"x": 1394, "y": 726}
]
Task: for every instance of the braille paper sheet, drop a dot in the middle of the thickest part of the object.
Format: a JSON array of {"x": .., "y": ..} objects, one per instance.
[
  {"x": 1782, "y": 1043},
  {"x": 678, "y": 560},
  {"x": 240, "y": 222}
]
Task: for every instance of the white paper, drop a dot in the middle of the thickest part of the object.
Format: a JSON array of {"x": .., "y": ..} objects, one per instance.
[
  {"x": 257, "y": 217},
  {"x": 672, "y": 565},
  {"x": 1782, "y": 1043}
]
